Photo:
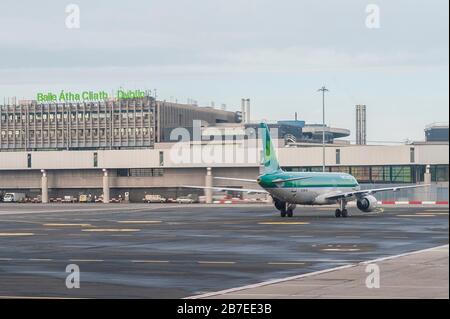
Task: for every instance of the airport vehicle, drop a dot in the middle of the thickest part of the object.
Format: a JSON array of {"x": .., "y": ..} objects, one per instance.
[
  {"x": 151, "y": 198},
  {"x": 189, "y": 199},
  {"x": 69, "y": 199},
  {"x": 14, "y": 197},
  {"x": 307, "y": 188},
  {"x": 83, "y": 198}
]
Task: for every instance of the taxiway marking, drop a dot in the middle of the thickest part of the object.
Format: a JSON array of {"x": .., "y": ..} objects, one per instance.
[
  {"x": 216, "y": 262},
  {"x": 416, "y": 215},
  {"x": 395, "y": 237},
  {"x": 285, "y": 263},
  {"x": 66, "y": 225},
  {"x": 111, "y": 230},
  {"x": 139, "y": 221},
  {"x": 16, "y": 234},
  {"x": 283, "y": 223},
  {"x": 150, "y": 261},
  {"x": 341, "y": 249}
]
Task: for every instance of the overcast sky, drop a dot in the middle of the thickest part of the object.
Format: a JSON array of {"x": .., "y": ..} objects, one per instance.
[{"x": 278, "y": 53}]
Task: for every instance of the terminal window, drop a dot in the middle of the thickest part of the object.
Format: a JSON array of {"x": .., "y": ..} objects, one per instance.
[
  {"x": 140, "y": 172},
  {"x": 161, "y": 158},
  {"x": 439, "y": 173},
  {"x": 412, "y": 155},
  {"x": 401, "y": 174}
]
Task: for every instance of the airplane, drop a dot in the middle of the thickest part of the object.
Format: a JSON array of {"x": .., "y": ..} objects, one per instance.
[{"x": 289, "y": 189}]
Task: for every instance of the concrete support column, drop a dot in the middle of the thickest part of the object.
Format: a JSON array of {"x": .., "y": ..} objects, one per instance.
[
  {"x": 208, "y": 183},
  {"x": 44, "y": 187},
  {"x": 247, "y": 112},
  {"x": 427, "y": 180},
  {"x": 427, "y": 175},
  {"x": 105, "y": 186}
]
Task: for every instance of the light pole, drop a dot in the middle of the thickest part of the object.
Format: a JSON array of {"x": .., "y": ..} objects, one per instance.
[{"x": 323, "y": 89}]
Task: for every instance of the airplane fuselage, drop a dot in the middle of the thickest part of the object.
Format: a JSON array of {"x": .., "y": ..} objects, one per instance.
[{"x": 311, "y": 189}]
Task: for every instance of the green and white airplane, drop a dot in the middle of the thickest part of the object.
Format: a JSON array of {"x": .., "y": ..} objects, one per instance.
[{"x": 307, "y": 188}]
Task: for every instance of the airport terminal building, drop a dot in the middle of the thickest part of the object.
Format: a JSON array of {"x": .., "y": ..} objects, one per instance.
[{"x": 111, "y": 148}]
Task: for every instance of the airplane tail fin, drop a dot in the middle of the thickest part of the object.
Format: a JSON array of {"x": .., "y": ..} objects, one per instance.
[{"x": 270, "y": 161}]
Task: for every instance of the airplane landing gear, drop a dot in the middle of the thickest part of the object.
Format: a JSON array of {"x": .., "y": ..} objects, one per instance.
[
  {"x": 341, "y": 211},
  {"x": 284, "y": 208},
  {"x": 290, "y": 210}
]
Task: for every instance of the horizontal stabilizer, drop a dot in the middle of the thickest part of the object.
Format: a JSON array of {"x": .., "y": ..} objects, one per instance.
[
  {"x": 243, "y": 190},
  {"x": 236, "y": 179}
]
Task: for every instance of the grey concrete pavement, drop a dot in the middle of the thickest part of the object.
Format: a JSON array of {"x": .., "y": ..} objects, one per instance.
[{"x": 423, "y": 274}]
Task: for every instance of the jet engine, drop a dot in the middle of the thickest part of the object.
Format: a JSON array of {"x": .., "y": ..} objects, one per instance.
[{"x": 367, "y": 203}]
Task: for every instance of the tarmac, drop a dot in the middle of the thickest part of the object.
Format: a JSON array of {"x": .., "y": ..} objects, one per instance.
[
  {"x": 419, "y": 275},
  {"x": 180, "y": 251}
]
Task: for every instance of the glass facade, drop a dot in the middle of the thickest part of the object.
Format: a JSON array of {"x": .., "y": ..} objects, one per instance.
[
  {"x": 77, "y": 126},
  {"x": 384, "y": 174},
  {"x": 439, "y": 173},
  {"x": 140, "y": 172}
]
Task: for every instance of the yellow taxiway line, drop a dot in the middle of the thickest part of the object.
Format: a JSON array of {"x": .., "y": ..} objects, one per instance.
[
  {"x": 285, "y": 263},
  {"x": 111, "y": 230},
  {"x": 283, "y": 223},
  {"x": 139, "y": 221},
  {"x": 216, "y": 262},
  {"x": 151, "y": 261},
  {"x": 66, "y": 225},
  {"x": 428, "y": 215}
]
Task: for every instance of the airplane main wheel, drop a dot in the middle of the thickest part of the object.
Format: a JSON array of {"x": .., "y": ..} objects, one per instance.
[
  {"x": 344, "y": 213},
  {"x": 282, "y": 213},
  {"x": 290, "y": 212},
  {"x": 337, "y": 213}
]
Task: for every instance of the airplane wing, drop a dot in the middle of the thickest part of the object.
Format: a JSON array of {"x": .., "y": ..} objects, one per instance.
[
  {"x": 372, "y": 191},
  {"x": 237, "y": 179},
  {"x": 244, "y": 190}
]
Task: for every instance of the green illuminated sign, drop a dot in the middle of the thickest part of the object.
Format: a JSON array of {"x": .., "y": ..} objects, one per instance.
[{"x": 64, "y": 96}]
